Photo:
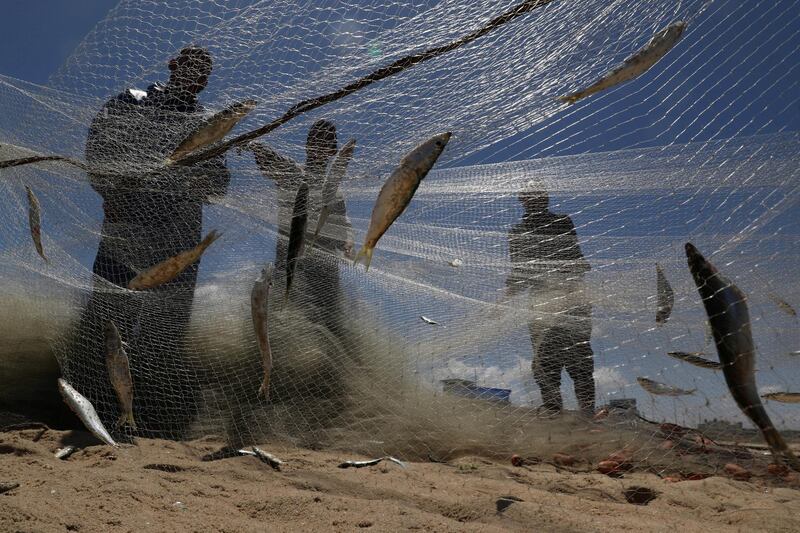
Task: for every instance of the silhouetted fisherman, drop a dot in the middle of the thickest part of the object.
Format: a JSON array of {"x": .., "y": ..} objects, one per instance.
[
  {"x": 547, "y": 260},
  {"x": 318, "y": 268},
  {"x": 149, "y": 215}
]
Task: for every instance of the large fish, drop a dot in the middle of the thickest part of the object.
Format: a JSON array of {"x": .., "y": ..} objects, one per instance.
[
  {"x": 398, "y": 190},
  {"x": 696, "y": 359},
  {"x": 259, "y": 301},
  {"x": 784, "y": 397},
  {"x": 654, "y": 387},
  {"x": 297, "y": 234},
  {"x": 119, "y": 372},
  {"x": 666, "y": 296},
  {"x": 168, "y": 269},
  {"x": 635, "y": 65},
  {"x": 213, "y": 129},
  {"x": 85, "y": 411},
  {"x": 35, "y": 221},
  {"x": 726, "y": 306},
  {"x": 331, "y": 186}
]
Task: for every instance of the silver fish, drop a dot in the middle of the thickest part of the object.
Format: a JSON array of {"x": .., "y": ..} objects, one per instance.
[
  {"x": 784, "y": 397},
  {"x": 331, "y": 186},
  {"x": 398, "y": 191},
  {"x": 783, "y": 305},
  {"x": 119, "y": 372},
  {"x": 213, "y": 129},
  {"x": 85, "y": 411},
  {"x": 297, "y": 234},
  {"x": 168, "y": 269},
  {"x": 654, "y": 387},
  {"x": 35, "y": 222},
  {"x": 635, "y": 65},
  {"x": 666, "y": 296},
  {"x": 259, "y": 301},
  {"x": 726, "y": 307},
  {"x": 65, "y": 452},
  {"x": 371, "y": 462},
  {"x": 696, "y": 359},
  {"x": 428, "y": 320},
  {"x": 268, "y": 458}
]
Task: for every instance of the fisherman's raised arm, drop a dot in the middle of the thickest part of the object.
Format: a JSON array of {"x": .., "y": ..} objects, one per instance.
[{"x": 283, "y": 170}]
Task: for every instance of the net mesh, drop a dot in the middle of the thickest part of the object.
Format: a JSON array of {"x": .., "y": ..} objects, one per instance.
[{"x": 528, "y": 252}]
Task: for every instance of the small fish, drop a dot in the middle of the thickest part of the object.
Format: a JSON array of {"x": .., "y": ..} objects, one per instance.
[
  {"x": 265, "y": 457},
  {"x": 456, "y": 263},
  {"x": 399, "y": 189},
  {"x": 428, "y": 320},
  {"x": 213, "y": 129},
  {"x": 696, "y": 359},
  {"x": 65, "y": 452},
  {"x": 6, "y": 486},
  {"x": 784, "y": 397},
  {"x": 35, "y": 222},
  {"x": 259, "y": 301},
  {"x": 85, "y": 411},
  {"x": 371, "y": 462},
  {"x": 119, "y": 372},
  {"x": 297, "y": 234},
  {"x": 666, "y": 296},
  {"x": 331, "y": 186},
  {"x": 168, "y": 269},
  {"x": 654, "y": 387},
  {"x": 726, "y": 307},
  {"x": 635, "y": 65},
  {"x": 783, "y": 305},
  {"x": 795, "y": 353}
]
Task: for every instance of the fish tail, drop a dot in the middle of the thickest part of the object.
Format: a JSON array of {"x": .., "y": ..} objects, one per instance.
[
  {"x": 779, "y": 447},
  {"x": 131, "y": 422},
  {"x": 125, "y": 418},
  {"x": 263, "y": 390},
  {"x": 365, "y": 252}
]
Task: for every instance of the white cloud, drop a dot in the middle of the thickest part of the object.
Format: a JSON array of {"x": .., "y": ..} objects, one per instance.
[
  {"x": 607, "y": 380},
  {"x": 767, "y": 389}
]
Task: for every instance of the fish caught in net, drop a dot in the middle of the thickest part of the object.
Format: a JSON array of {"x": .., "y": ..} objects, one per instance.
[{"x": 514, "y": 171}]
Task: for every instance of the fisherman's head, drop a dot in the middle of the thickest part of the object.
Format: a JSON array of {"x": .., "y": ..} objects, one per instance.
[
  {"x": 321, "y": 144},
  {"x": 189, "y": 71},
  {"x": 534, "y": 200}
]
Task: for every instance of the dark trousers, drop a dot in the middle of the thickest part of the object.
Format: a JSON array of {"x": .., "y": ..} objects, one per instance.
[
  {"x": 569, "y": 349},
  {"x": 154, "y": 325}
]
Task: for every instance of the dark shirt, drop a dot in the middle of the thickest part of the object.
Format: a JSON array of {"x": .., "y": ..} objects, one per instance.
[
  {"x": 151, "y": 212},
  {"x": 544, "y": 247}
]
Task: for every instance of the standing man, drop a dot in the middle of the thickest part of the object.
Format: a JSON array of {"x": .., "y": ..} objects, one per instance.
[
  {"x": 151, "y": 212},
  {"x": 318, "y": 269},
  {"x": 547, "y": 260}
]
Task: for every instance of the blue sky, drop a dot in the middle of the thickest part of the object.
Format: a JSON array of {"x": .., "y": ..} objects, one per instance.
[{"x": 37, "y": 36}]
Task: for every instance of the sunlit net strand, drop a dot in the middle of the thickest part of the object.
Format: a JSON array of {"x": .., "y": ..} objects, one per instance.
[{"x": 477, "y": 205}]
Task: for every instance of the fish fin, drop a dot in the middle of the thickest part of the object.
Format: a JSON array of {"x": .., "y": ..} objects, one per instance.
[{"x": 365, "y": 252}]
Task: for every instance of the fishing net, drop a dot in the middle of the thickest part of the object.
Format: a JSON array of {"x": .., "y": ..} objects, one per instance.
[{"x": 475, "y": 322}]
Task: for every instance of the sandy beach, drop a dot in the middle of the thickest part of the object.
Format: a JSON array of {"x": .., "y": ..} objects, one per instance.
[{"x": 165, "y": 486}]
